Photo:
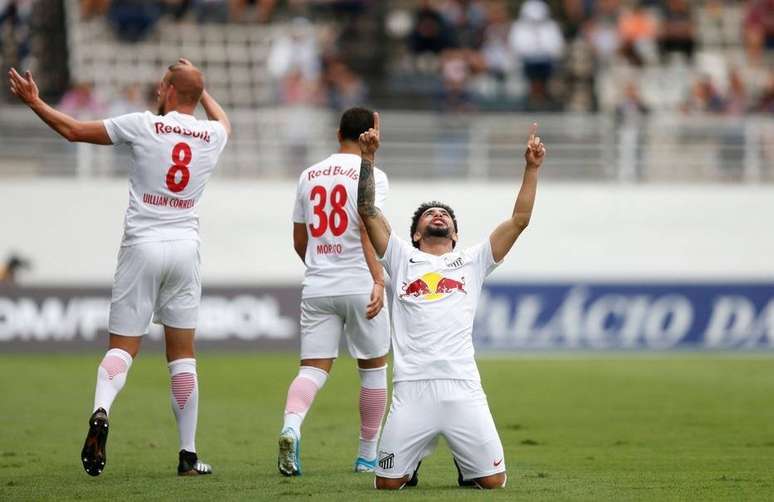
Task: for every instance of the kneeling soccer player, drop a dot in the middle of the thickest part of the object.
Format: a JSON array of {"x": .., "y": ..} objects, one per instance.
[{"x": 435, "y": 290}]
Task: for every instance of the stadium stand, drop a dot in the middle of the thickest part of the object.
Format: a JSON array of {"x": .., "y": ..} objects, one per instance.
[{"x": 629, "y": 103}]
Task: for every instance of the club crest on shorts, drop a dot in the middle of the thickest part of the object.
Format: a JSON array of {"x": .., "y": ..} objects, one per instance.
[{"x": 386, "y": 460}]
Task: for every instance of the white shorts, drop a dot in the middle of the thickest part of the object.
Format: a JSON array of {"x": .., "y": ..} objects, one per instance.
[
  {"x": 325, "y": 318},
  {"x": 158, "y": 281},
  {"x": 424, "y": 409}
]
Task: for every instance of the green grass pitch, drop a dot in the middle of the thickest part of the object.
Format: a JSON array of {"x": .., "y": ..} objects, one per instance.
[{"x": 677, "y": 427}]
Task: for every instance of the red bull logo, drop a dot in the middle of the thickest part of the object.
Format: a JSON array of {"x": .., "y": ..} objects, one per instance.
[{"x": 432, "y": 286}]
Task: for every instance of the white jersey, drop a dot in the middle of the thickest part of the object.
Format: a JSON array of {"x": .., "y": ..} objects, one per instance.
[
  {"x": 173, "y": 156},
  {"x": 326, "y": 202},
  {"x": 434, "y": 300}
]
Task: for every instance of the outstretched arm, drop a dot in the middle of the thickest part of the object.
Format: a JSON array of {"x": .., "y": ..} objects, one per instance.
[
  {"x": 211, "y": 107},
  {"x": 376, "y": 224},
  {"x": 505, "y": 235},
  {"x": 71, "y": 129}
]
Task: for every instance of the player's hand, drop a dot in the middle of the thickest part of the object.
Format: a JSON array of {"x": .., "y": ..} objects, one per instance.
[
  {"x": 369, "y": 140},
  {"x": 536, "y": 150},
  {"x": 24, "y": 87},
  {"x": 377, "y": 301}
]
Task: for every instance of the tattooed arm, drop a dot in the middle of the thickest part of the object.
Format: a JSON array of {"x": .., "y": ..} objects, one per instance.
[{"x": 374, "y": 221}]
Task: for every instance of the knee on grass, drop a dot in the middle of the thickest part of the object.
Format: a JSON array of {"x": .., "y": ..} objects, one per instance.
[
  {"x": 490, "y": 482},
  {"x": 390, "y": 483}
]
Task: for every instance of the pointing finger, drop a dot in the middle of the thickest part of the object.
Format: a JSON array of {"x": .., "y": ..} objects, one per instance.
[
  {"x": 533, "y": 130},
  {"x": 376, "y": 121}
]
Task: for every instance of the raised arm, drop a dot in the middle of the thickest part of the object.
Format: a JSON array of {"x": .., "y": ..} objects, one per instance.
[
  {"x": 505, "y": 235},
  {"x": 376, "y": 224},
  {"x": 69, "y": 128},
  {"x": 377, "y": 291},
  {"x": 211, "y": 107}
]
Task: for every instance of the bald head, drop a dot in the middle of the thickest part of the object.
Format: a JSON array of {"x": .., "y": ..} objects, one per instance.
[{"x": 188, "y": 81}]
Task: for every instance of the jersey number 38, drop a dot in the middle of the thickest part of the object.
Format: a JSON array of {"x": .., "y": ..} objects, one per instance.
[{"x": 336, "y": 218}]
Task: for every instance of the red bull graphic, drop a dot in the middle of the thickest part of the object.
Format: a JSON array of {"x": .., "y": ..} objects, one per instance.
[{"x": 433, "y": 286}]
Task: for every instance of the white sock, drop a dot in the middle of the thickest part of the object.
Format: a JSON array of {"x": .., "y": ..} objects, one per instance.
[
  {"x": 301, "y": 394},
  {"x": 111, "y": 377},
  {"x": 185, "y": 400},
  {"x": 373, "y": 400}
]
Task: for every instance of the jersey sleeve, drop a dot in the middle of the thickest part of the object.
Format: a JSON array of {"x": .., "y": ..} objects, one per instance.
[
  {"x": 125, "y": 128},
  {"x": 382, "y": 187},
  {"x": 221, "y": 134},
  {"x": 396, "y": 254},
  {"x": 481, "y": 256},
  {"x": 298, "y": 208}
]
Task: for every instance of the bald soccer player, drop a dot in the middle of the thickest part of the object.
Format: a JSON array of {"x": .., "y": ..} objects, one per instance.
[{"x": 157, "y": 276}]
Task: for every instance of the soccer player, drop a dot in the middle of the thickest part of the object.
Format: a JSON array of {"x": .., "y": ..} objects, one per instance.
[
  {"x": 343, "y": 292},
  {"x": 157, "y": 276},
  {"x": 435, "y": 291}
]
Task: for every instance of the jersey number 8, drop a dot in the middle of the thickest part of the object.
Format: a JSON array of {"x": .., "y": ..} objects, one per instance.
[
  {"x": 179, "y": 164},
  {"x": 337, "y": 219}
]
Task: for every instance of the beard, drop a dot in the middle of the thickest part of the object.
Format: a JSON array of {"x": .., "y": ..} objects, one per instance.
[
  {"x": 432, "y": 231},
  {"x": 161, "y": 110}
]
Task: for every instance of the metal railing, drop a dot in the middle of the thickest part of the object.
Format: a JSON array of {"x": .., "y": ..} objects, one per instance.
[{"x": 280, "y": 142}]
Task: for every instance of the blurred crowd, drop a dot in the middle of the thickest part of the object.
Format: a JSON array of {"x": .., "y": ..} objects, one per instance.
[
  {"x": 540, "y": 55},
  {"x": 626, "y": 56}
]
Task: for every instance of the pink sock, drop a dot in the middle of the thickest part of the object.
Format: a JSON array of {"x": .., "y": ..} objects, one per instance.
[
  {"x": 301, "y": 394},
  {"x": 373, "y": 400},
  {"x": 111, "y": 377},
  {"x": 185, "y": 400}
]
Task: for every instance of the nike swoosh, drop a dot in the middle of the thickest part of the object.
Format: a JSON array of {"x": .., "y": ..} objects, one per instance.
[
  {"x": 498, "y": 462},
  {"x": 412, "y": 260}
]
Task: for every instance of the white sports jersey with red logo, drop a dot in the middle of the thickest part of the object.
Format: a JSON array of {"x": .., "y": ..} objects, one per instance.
[
  {"x": 326, "y": 202},
  {"x": 173, "y": 156}
]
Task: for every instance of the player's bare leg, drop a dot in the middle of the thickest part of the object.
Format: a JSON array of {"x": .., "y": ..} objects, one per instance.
[
  {"x": 373, "y": 402},
  {"x": 111, "y": 377},
  {"x": 311, "y": 377},
  {"x": 184, "y": 397}
]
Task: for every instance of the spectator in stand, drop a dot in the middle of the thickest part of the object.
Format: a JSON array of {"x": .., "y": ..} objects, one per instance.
[
  {"x": 295, "y": 51},
  {"x": 10, "y": 268},
  {"x": 631, "y": 108},
  {"x": 263, "y": 12},
  {"x": 759, "y": 28},
  {"x": 16, "y": 15},
  {"x": 211, "y": 11},
  {"x": 637, "y": 30},
  {"x": 132, "y": 20},
  {"x": 704, "y": 98},
  {"x": 765, "y": 102},
  {"x": 678, "y": 29},
  {"x": 430, "y": 33},
  {"x": 537, "y": 41},
  {"x": 495, "y": 49},
  {"x": 94, "y": 8},
  {"x": 81, "y": 102},
  {"x": 602, "y": 31},
  {"x": 736, "y": 96},
  {"x": 345, "y": 89},
  {"x": 129, "y": 101},
  {"x": 467, "y": 19}
]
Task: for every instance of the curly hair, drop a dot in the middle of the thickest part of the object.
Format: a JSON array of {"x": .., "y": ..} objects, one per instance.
[{"x": 421, "y": 210}]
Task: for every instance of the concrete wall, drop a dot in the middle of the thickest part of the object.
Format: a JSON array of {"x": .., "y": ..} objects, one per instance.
[{"x": 71, "y": 229}]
